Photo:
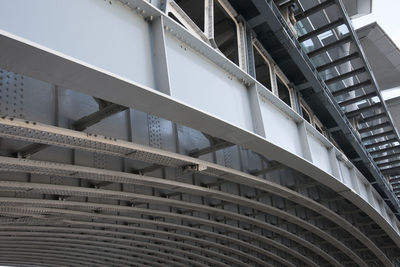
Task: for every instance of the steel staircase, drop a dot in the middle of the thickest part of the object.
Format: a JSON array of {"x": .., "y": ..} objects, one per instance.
[{"x": 361, "y": 100}]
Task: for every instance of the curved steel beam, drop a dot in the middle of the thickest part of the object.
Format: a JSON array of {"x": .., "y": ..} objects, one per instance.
[
  {"x": 31, "y": 263},
  {"x": 78, "y": 191},
  {"x": 204, "y": 243},
  {"x": 200, "y": 221},
  {"x": 92, "y": 259},
  {"x": 72, "y": 257},
  {"x": 146, "y": 234},
  {"x": 33, "y": 212},
  {"x": 103, "y": 248},
  {"x": 268, "y": 254},
  {"x": 40, "y": 133},
  {"x": 113, "y": 176},
  {"x": 51, "y": 260}
]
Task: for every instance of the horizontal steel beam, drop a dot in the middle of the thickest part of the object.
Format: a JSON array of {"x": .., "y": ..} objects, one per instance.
[
  {"x": 273, "y": 167},
  {"x": 381, "y": 143},
  {"x": 389, "y": 163},
  {"x": 391, "y": 171},
  {"x": 286, "y": 4},
  {"x": 345, "y": 75},
  {"x": 103, "y": 113},
  {"x": 395, "y": 179},
  {"x": 358, "y": 111},
  {"x": 372, "y": 117},
  {"x": 388, "y": 156},
  {"x": 329, "y": 46},
  {"x": 386, "y": 149},
  {"x": 352, "y": 88},
  {"x": 31, "y": 149},
  {"x": 79, "y": 125},
  {"x": 374, "y": 127},
  {"x": 357, "y": 99},
  {"x": 337, "y": 62},
  {"x": 320, "y": 30},
  {"x": 212, "y": 148},
  {"x": 378, "y": 135}
]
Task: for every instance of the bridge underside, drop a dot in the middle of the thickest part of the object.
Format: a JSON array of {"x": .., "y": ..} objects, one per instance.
[
  {"x": 166, "y": 195},
  {"x": 103, "y": 165}
]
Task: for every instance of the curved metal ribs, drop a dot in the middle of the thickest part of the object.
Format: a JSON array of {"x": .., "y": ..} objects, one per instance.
[{"x": 34, "y": 132}]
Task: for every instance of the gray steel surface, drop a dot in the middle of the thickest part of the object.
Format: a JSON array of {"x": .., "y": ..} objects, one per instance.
[{"x": 163, "y": 152}]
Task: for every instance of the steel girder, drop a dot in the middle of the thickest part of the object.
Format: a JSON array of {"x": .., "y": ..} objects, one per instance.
[
  {"x": 125, "y": 149},
  {"x": 94, "y": 81},
  {"x": 52, "y": 135}
]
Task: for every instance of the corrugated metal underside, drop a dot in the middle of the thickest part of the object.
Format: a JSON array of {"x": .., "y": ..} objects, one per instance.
[
  {"x": 84, "y": 199},
  {"x": 88, "y": 182}
]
